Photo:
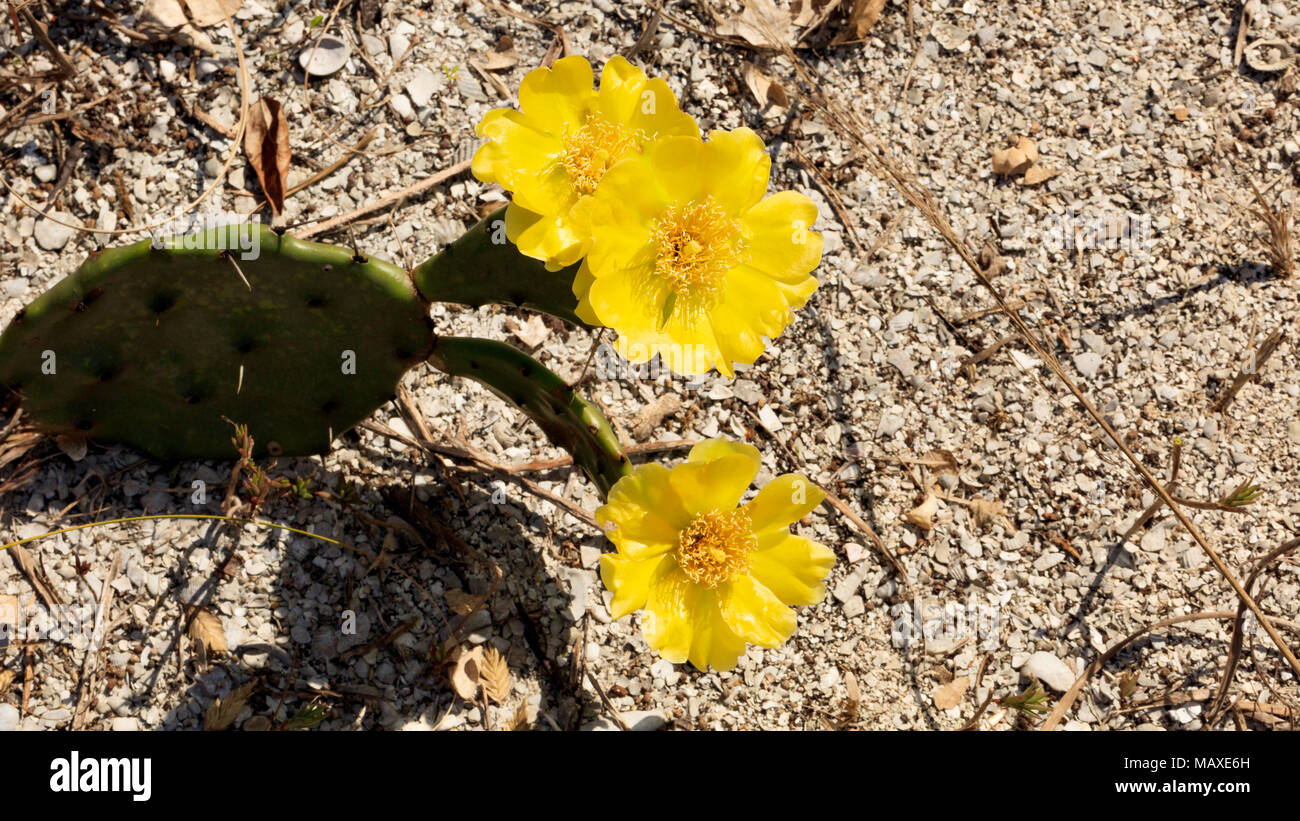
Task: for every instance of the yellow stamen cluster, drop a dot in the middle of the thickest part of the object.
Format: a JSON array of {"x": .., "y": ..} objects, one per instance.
[
  {"x": 698, "y": 244},
  {"x": 591, "y": 149},
  {"x": 716, "y": 547}
]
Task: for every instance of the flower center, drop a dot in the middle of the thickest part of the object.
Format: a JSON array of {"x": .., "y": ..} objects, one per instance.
[
  {"x": 592, "y": 149},
  {"x": 716, "y": 547},
  {"x": 698, "y": 244}
]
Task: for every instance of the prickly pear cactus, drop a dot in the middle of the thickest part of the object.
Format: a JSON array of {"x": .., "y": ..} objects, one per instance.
[
  {"x": 157, "y": 344},
  {"x": 483, "y": 267},
  {"x": 570, "y": 421}
]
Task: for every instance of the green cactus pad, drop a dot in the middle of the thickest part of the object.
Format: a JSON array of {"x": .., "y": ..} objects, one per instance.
[
  {"x": 483, "y": 267},
  {"x": 568, "y": 420},
  {"x": 148, "y": 341}
]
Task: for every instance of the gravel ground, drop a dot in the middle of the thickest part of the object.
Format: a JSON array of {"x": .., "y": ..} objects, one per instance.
[{"x": 1138, "y": 107}]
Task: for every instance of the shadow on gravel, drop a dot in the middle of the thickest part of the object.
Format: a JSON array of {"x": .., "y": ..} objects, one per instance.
[
  {"x": 387, "y": 671},
  {"x": 1244, "y": 273}
]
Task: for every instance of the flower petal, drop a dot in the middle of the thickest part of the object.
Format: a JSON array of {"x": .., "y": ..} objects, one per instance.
[
  {"x": 649, "y": 106},
  {"x": 524, "y": 162},
  {"x": 552, "y": 239},
  {"x": 736, "y": 169},
  {"x": 643, "y": 514},
  {"x": 671, "y": 612},
  {"x": 678, "y": 164},
  {"x": 711, "y": 449},
  {"x": 629, "y": 580},
  {"x": 779, "y": 236},
  {"x": 793, "y": 568},
  {"x": 754, "y": 613},
  {"x": 756, "y": 299},
  {"x": 714, "y": 643},
  {"x": 782, "y": 502},
  {"x": 560, "y": 97},
  {"x": 715, "y": 485}
]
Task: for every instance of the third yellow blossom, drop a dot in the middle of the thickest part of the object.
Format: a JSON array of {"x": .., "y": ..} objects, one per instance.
[{"x": 711, "y": 575}]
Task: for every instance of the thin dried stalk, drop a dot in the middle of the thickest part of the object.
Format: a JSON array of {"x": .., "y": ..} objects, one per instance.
[
  {"x": 1250, "y": 370},
  {"x": 1281, "y": 255}
]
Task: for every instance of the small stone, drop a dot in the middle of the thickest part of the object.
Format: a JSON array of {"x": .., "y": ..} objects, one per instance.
[
  {"x": 638, "y": 720},
  {"x": 891, "y": 422},
  {"x": 402, "y": 105},
  {"x": 421, "y": 87},
  {"x": 125, "y": 724},
  {"x": 899, "y": 359},
  {"x": 374, "y": 46},
  {"x": 398, "y": 43},
  {"x": 848, "y": 586},
  {"x": 769, "y": 418},
  {"x": 1087, "y": 363},
  {"x": 664, "y": 669},
  {"x": 854, "y": 607},
  {"x": 949, "y": 36},
  {"x": 8, "y": 718},
  {"x": 1050, "y": 670},
  {"x": 167, "y": 70},
  {"x": 45, "y": 173},
  {"x": 51, "y": 235},
  {"x": 323, "y": 57}
]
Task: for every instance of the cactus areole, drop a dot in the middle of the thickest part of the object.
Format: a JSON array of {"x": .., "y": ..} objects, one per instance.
[{"x": 157, "y": 345}]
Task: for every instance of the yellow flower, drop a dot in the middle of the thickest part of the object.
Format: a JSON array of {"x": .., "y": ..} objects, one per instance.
[
  {"x": 711, "y": 576},
  {"x": 552, "y": 153},
  {"x": 687, "y": 258}
]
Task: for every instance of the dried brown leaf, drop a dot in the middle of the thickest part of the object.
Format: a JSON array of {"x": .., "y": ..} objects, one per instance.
[
  {"x": 166, "y": 20},
  {"x": 206, "y": 627},
  {"x": 1016, "y": 160},
  {"x": 923, "y": 514},
  {"x": 6, "y": 681},
  {"x": 807, "y": 12},
  {"x": 861, "y": 17},
  {"x": 986, "y": 512},
  {"x": 494, "y": 675},
  {"x": 1039, "y": 173},
  {"x": 460, "y": 602},
  {"x": 74, "y": 447},
  {"x": 266, "y": 144},
  {"x": 950, "y": 694},
  {"x": 765, "y": 90},
  {"x": 760, "y": 24},
  {"x": 222, "y": 712},
  {"x": 211, "y": 12},
  {"x": 942, "y": 461},
  {"x": 503, "y": 55},
  {"x": 532, "y": 333},
  {"x": 465, "y": 673}
]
